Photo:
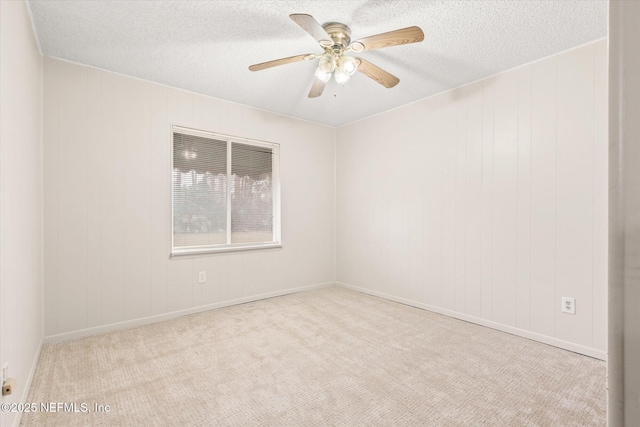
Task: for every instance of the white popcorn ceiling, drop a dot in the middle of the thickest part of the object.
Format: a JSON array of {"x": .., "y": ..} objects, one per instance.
[{"x": 206, "y": 46}]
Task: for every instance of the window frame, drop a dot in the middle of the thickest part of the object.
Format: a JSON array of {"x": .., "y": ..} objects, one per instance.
[{"x": 275, "y": 175}]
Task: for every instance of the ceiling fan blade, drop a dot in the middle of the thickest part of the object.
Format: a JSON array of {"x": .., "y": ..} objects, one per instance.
[
  {"x": 376, "y": 73},
  {"x": 281, "y": 61},
  {"x": 317, "y": 88},
  {"x": 311, "y": 26},
  {"x": 392, "y": 38}
]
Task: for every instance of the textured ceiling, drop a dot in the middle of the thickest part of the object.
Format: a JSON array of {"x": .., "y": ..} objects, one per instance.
[{"x": 206, "y": 46}]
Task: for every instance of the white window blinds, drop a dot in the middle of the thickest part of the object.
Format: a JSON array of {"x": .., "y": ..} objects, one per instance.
[{"x": 225, "y": 193}]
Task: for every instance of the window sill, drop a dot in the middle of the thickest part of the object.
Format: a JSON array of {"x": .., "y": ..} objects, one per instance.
[{"x": 189, "y": 253}]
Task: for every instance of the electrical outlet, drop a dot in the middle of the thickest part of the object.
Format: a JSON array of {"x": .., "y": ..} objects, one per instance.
[
  {"x": 568, "y": 305},
  {"x": 202, "y": 277},
  {"x": 7, "y": 387}
]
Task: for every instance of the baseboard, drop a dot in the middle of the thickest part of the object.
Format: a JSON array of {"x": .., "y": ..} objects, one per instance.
[
  {"x": 587, "y": 351},
  {"x": 83, "y": 333},
  {"x": 27, "y": 384}
]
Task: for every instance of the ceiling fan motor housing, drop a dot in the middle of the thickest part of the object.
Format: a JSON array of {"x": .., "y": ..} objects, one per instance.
[{"x": 339, "y": 33}]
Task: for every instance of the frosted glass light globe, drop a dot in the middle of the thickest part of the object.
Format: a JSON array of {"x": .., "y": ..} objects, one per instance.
[
  {"x": 340, "y": 77},
  {"x": 322, "y": 75},
  {"x": 327, "y": 63},
  {"x": 348, "y": 65}
]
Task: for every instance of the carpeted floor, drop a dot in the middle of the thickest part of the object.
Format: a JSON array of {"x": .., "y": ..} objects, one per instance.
[{"x": 325, "y": 357}]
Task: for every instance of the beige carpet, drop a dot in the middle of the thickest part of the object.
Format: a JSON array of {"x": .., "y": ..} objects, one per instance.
[{"x": 325, "y": 357}]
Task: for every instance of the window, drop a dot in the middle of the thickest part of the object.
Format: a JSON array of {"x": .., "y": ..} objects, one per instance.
[{"x": 225, "y": 193}]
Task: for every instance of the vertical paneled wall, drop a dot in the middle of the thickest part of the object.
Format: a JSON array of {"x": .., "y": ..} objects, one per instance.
[
  {"x": 107, "y": 202},
  {"x": 487, "y": 202},
  {"x": 21, "y": 293}
]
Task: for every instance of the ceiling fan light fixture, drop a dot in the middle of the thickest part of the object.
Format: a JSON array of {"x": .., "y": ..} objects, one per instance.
[
  {"x": 341, "y": 77},
  {"x": 327, "y": 63},
  {"x": 322, "y": 75},
  {"x": 348, "y": 65}
]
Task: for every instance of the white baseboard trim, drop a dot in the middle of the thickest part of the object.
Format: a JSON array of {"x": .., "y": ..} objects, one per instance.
[
  {"x": 27, "y": 384},
  {"x": 83, "y": 333},
  {"x": 576, "y": 348}
]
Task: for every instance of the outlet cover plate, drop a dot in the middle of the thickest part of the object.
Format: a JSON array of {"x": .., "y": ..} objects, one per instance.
[{"x": 202, "y": 277}]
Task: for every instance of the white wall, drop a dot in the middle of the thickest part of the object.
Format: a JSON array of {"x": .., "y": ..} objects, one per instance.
[
  {"x": 21, "y": 294},
  {"x": 107, "y": 202},
  {"x": 487, "y": 202}
]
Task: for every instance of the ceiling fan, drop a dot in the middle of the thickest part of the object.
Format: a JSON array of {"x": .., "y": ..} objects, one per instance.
[{"x": 335, "y": 39}]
